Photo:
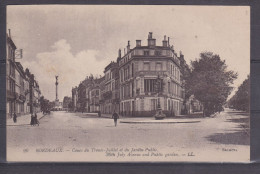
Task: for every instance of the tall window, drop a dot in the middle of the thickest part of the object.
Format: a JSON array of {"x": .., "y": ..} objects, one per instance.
[
  {"x": 132, "y": 70},
  {"x": 158, "y": 66},
  {"x": 149, "y": 85},
  {"x": 146, "y": 66}
]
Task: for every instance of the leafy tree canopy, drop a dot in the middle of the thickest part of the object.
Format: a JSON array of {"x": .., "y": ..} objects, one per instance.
[
  {"x": 210, "y": 82},
  {"x": 241, "y": 99}
]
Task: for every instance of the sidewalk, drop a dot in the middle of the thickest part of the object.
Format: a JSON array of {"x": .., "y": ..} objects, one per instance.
[
  {"x": 23, "y": 120},
  {"x": 151, "y": 120}
]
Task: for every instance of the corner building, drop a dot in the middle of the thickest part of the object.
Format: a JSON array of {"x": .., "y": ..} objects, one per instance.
[{"x": 139, "y": 70}]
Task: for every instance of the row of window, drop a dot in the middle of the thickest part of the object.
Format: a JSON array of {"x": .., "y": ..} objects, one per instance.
[
  {"x": 140, "y": 52},
  {"x": 10, "y": 52},
  {"x": 174, "y": 89},
  {"x": 127, "y": 72},
  {"x": 127, "y": 90},
  {"x": 175, "y": 71}
]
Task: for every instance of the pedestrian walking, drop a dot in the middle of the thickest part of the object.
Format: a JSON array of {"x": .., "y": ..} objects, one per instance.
[
  {"x": 14, "y": 117},
  {"x": 115, "y": 116}
]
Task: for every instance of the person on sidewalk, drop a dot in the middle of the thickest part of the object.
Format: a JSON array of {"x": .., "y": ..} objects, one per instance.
[
  {"x": 115, "y": 116},
  {"x": 15, "y": 118},
  {"x": 36, "y": 119},
  {"x": 32, "y": 120}
]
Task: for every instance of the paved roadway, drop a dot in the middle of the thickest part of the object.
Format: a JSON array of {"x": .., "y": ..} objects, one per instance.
[{"x": 86, "y": 138}]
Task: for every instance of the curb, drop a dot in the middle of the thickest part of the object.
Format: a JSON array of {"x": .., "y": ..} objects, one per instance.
[{"x": 159, "y": 122}]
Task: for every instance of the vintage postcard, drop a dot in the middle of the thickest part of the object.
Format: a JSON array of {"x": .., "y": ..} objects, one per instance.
[{"x": 128, "y": 83}]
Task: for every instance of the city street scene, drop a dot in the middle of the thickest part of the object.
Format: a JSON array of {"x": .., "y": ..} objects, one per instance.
[{"x": 128, "y": 83}]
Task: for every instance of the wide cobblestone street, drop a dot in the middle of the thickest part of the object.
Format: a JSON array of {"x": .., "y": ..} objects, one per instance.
[{"x": 64, "y": 136}]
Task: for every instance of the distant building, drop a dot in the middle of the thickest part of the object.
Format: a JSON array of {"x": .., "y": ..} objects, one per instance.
[
  {"x": 35, "y": 93},
  {"x": 83, "y": 102},
  {"x": 66, "y": 101},
  {"x": 94, "y": 95},
  {"x": 74, "y": 95}
]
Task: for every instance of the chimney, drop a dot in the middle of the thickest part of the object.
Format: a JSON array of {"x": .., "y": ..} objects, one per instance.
[
  {"x": 172, "y": 48},
  {"x": 168, "y": 41},
  {"x": 128, "y": 47},
  {"x": 150, "y": 36},
  {"x": 164, "y": 42},
  {"x": 124, "y": 51},
  {"x": 181, "y": 55},
  {"x": 119, "y": 53},
  {"x": 138, "y": 43},
  {"x": 151, "y": 41},
  {"x": 9, "y": 32}
]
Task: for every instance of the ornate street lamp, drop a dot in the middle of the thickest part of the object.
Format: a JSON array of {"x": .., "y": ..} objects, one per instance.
[{"x": 158, "y": 87}]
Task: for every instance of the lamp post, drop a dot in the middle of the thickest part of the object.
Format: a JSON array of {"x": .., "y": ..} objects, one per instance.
[{"x": 158, "y": 86}]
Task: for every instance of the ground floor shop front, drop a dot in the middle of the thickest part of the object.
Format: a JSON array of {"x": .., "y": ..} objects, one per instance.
[{"x": 147, "y": 106}]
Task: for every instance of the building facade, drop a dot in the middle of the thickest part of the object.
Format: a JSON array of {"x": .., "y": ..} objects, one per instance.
[
  {"x": 109, "y": 101},
  {"x": 140, "y": 69},
  {"x": 10, "y": 77},
  {"x": 66, "y": 101},
  {"x": 140, "y": 80},
  {"x": 34, "y": 93},
  {"x": 21, "y": 90},
  {"x": 94, "y": 95}
]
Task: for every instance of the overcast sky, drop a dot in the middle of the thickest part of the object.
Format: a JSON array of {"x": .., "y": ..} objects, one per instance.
[{"x": 73, "y": 41}]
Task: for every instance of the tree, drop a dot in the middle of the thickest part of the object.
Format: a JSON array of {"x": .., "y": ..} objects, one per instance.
[
  {"x": 241, "y": 99},
  {"x": 210, "y": 82}
]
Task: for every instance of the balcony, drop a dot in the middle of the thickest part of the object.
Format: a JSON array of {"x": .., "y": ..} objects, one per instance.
[{"x": 153, "y": 73}]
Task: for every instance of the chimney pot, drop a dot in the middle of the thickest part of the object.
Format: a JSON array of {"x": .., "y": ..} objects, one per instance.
[
  {"x": 128, "y": 47},
  {"x": 119, "y": 53},
  {"x": 150, "y": 36},
  {"x": 138, "y": 43}
]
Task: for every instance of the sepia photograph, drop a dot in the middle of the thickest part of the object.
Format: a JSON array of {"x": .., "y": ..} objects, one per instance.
[{"x": 127, "y": 83}]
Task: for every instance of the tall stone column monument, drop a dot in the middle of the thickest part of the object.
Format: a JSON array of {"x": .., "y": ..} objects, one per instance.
[{"x": 56, "y": 83}]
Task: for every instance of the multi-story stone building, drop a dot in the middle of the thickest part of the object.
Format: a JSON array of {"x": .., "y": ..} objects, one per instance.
[
  {"x": 140, "y": 70},
  {"x": 109, "y": 101},
  {"x": 34, "y": 92},
  {"x": 10, "y": 76},
  {"x": 21, "y": 87},
  {"x": 83, "y": 91},
  {"x": 94, "y": 95}
]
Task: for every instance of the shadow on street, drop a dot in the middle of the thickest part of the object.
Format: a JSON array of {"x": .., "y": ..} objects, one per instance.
[
  {"x": 20, "y": 125},
  {"x": 237, "y": 138}
]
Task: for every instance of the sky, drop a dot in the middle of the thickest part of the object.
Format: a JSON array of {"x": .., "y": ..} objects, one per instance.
[{"x": 74, "y": 41}]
